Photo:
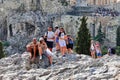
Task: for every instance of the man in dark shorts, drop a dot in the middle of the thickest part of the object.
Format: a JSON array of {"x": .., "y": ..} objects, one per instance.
[
  {"x": 50, "y": 38},
  {"x": 33, "y": 49}
]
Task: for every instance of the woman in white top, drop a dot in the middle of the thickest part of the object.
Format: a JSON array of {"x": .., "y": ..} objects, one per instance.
[
  {"x": 92, "y": 49},
  {"x": 62, "y": 41}
]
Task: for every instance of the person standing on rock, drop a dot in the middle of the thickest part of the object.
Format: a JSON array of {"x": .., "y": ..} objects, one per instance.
[
  {"x": 57, "y": 31},
  {"x": 92, "y": 49},
  {"x": 69, "y": 43},
  {"x": 98, "y": 50},
  {"x": 50, "y": 38},
  {"x": 33, "y": 49},
  {"x": 62, "y": 41},
  {"x": 109, "y": 51},
  {"x": 43, "y": 49}
]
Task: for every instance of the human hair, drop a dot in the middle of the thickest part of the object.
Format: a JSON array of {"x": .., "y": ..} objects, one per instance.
[{"x": 56, "y": 27}]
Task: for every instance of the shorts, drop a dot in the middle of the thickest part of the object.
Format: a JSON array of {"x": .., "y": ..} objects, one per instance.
[
  {"x": 98, "y": 54},
  {"x": 70, "y": 46},
  {"x": 57, "y": 40},
  {"x": 37, "y": 53},
  {"x": 49, "y": 44},
  {"x": 62, "y": 43},
  {"x": 48, "y": 52}
]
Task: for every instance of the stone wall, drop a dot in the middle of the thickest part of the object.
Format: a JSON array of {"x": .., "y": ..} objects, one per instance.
[{"x": 109, "y": 26}]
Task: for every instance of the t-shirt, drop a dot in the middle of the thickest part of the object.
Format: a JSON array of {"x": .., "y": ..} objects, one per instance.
[
  {"x": 92, "y": 47},
  {"x": 62, "y": 35},
  {"x": 57, "y": 32},
  {"x": 50, "y": 35},
  {"x": 109, "y": 50}
]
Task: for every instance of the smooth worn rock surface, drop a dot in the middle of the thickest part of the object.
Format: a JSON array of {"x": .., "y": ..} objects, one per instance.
[{"x": 78, "y": 67}]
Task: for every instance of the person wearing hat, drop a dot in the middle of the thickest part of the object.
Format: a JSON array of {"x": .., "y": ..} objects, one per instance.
[{"x": 43, "y": 49}]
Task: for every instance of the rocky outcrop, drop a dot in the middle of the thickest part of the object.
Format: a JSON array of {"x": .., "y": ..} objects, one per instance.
[
  {"x": 22, "y": 27},
  {"x": 78, "y": 67},
  {"x": 22, "y": 20}
]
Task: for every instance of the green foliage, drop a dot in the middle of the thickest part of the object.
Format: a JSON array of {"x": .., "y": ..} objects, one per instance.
[
  {"x": 64, "y": 2},
  {"x": 5, "y": 43},
  {"x": 100, "y": 36},
  {"x": 83, "y": 38},
  {"x": 118, "y": 50},
  {"x": 104, "y": 50},
  {"x": 118, "y": 36},
  {"x": 1, "y": 50}
]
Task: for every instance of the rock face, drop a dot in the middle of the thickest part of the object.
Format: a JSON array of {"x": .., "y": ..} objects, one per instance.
[
  {"x": 22, "y": 20},
  {"x": 81, "y": 67},
  {"x": 23, "y": 26}
]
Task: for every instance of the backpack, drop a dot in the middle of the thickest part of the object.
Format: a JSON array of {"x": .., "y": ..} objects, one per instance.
[
  {"x": 45, "y": 38},
  {"x": 70, "y": 41}
]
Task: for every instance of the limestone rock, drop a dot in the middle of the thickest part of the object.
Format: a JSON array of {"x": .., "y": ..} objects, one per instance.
[{"x": 18, "y": 67}]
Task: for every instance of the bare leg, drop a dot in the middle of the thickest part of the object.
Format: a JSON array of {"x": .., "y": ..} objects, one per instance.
[
  {"x": 29, "y": 49},
  {"x": 50, "y": 59},
  {"x": 40, "y": 51},
  {"x": 57, "y": 46},
  {"x": 50, "y": 49},
  {"x": 64, "y": 50}
]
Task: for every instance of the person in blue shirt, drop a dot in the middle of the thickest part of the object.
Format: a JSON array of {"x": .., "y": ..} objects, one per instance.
[{"x": 69, "y": 43}]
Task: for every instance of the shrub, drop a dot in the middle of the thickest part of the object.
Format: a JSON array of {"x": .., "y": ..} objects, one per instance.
[
  {"x": 118, "y": 50},
  {"x": 83, "y": 38},
  {"x": 5, "y": 43},
  {"x": 1, "y": 50}
]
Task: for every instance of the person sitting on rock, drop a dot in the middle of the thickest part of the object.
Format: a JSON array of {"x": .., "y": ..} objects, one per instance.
[
  {"x": 43, "y": 49},
  {"x": 32, "y": 47}
]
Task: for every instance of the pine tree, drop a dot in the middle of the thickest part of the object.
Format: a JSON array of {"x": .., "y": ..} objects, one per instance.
[
  {"x": 1, "y": 50},
  {"x": 118, "y": 36},
  {"x": 83, "y": 38},
  {"x": 100, "y": 36}
]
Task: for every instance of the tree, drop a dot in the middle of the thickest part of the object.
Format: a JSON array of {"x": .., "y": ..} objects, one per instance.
[
  {"x": 100, "y": 36},
  {"x": 83, "y": 38},
  {"x": 118, "y": 36},
  {"x": 64, "y": 2},
  {"x": 1, "y": 50}
]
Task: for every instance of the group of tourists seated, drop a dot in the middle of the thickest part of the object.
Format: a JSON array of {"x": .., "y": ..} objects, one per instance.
[{"x": 63, "y": 43}]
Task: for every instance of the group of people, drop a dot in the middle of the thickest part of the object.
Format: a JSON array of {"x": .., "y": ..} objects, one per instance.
[
  {"x": 95, "y": 49},
  {"x": 63, "y": 43},
  {"x": 106, "y": 12}
]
